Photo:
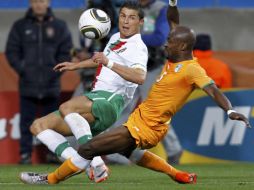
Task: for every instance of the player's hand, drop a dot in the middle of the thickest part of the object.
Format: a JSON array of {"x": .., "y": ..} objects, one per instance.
[
  {"x": 65, "y": 66},
  {"x": 172, "y": 3},
  {"x": 240, "y": 117},
  {"x": 99, "y": 57}
]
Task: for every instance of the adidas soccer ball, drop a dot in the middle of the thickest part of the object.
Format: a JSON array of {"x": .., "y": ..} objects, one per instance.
[{"x": 94, "y": 23}]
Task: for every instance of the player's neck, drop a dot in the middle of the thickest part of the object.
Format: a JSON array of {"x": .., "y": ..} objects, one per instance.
[{"x": 180, "y": 58}]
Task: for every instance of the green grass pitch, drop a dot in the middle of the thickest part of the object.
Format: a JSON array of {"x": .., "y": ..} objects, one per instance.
[{"x": 210, "y": 177}]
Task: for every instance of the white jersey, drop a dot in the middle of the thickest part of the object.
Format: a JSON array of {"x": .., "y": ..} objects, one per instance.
[{"x": 131, "y": 52}]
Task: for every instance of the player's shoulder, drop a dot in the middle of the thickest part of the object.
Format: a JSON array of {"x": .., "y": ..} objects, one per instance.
[
  {"x": 137, "y": 41},
  {"x": 192, "y": 67},
  {"x": 192, "y": 64},
  {"x": 138, "y": 38},
  {"x": 134, "y": 42}
]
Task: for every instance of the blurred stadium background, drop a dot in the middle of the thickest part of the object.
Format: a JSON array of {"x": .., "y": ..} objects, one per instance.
[{"x": 230, "y": 23}]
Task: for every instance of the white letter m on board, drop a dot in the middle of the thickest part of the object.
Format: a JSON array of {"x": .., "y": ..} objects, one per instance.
[{"x": 213, "y": 123}]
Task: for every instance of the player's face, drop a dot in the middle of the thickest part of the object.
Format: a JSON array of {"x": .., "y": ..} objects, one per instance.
[
  {"x": 129, "y": 22},
  {"x": 171, "y": 47},
  {"x": 39, "y": 7}
]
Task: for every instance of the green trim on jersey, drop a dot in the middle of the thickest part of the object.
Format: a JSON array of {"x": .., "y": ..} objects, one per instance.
[{"x": 211, "y": 82}]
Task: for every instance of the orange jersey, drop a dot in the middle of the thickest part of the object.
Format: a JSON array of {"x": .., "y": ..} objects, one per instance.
[{"x": 166, "y": 97}]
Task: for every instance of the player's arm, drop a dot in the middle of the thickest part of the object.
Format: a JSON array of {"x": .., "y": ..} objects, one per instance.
[
  {"x": 173, "y": 14},
  {"x": 70, "y": 66},
  {"x": 135, "y": 74},
  {"x": 225, "y": 104}
]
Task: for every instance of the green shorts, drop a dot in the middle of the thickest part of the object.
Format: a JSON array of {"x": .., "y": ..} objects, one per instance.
[{"x": 106, "y": 109}]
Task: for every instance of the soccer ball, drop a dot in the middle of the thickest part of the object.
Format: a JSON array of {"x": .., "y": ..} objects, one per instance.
[{"x": 94, "y": 23}]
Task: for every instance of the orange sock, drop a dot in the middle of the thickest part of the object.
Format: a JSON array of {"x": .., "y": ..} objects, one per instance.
[
  {"x": 156, "y": 163},
  {"x": 65, "y": 170}
]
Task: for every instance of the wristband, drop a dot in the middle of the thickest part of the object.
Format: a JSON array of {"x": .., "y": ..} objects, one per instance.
[
  {"x": 110, "y": 64},
  {"x": 230, "y": 111},
  {"x": 172, "y": 3}
]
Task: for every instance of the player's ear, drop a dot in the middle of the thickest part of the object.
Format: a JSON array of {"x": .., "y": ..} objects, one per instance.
[
  {"x": 183, "y": 46},
  {"x": 141, "y": 21}
]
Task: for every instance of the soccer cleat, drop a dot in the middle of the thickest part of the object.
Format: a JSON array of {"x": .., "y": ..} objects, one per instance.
[
  {"x": 98, "y": 174},
  {"x": 183, "y": 177},
  {"x": 89, "y": 172},
  {"x": 33, "y": 178}
]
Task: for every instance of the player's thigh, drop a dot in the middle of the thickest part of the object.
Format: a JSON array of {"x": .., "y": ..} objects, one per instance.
[
  {"x": 79, "y": 104},
  {"x": 116, "y": 140},
  {"x": 51, "y": 121}
]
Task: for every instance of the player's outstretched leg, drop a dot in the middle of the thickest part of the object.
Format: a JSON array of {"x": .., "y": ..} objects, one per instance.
[{"x": 151, "y": 161}]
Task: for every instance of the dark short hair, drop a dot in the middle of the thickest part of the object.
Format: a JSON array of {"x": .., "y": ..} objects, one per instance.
[
  {"x": 135, "y": 5},
  {"x": 203, "y": 42}
]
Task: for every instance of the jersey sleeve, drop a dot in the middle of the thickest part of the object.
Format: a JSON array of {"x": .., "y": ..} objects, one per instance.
[
  {"x": 195, "y": 74},
  {"x": 137, "y": 56}
]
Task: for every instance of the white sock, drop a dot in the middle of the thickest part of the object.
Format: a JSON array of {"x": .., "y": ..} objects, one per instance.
[
  {"x": 97, "y": 161},
  {"x": 79, "y": 127},
  {"x": 80, "y": 162},
  {"x": 82, "y": 132},
  {"x": 56, "y": 143},
  {"x": 69, "y": 153}
]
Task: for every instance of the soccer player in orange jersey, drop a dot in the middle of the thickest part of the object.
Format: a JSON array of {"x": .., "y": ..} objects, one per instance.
[{"x": 148, "y": 124}]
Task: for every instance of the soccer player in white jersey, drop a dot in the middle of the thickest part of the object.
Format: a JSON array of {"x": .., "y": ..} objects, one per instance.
[{"x": 121, "y": 67}]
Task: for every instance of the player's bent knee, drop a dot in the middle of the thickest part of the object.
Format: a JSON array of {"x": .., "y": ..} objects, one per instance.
[
  {"x": 37, "y": 127},
  {"x": 65, "y": 108}
]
